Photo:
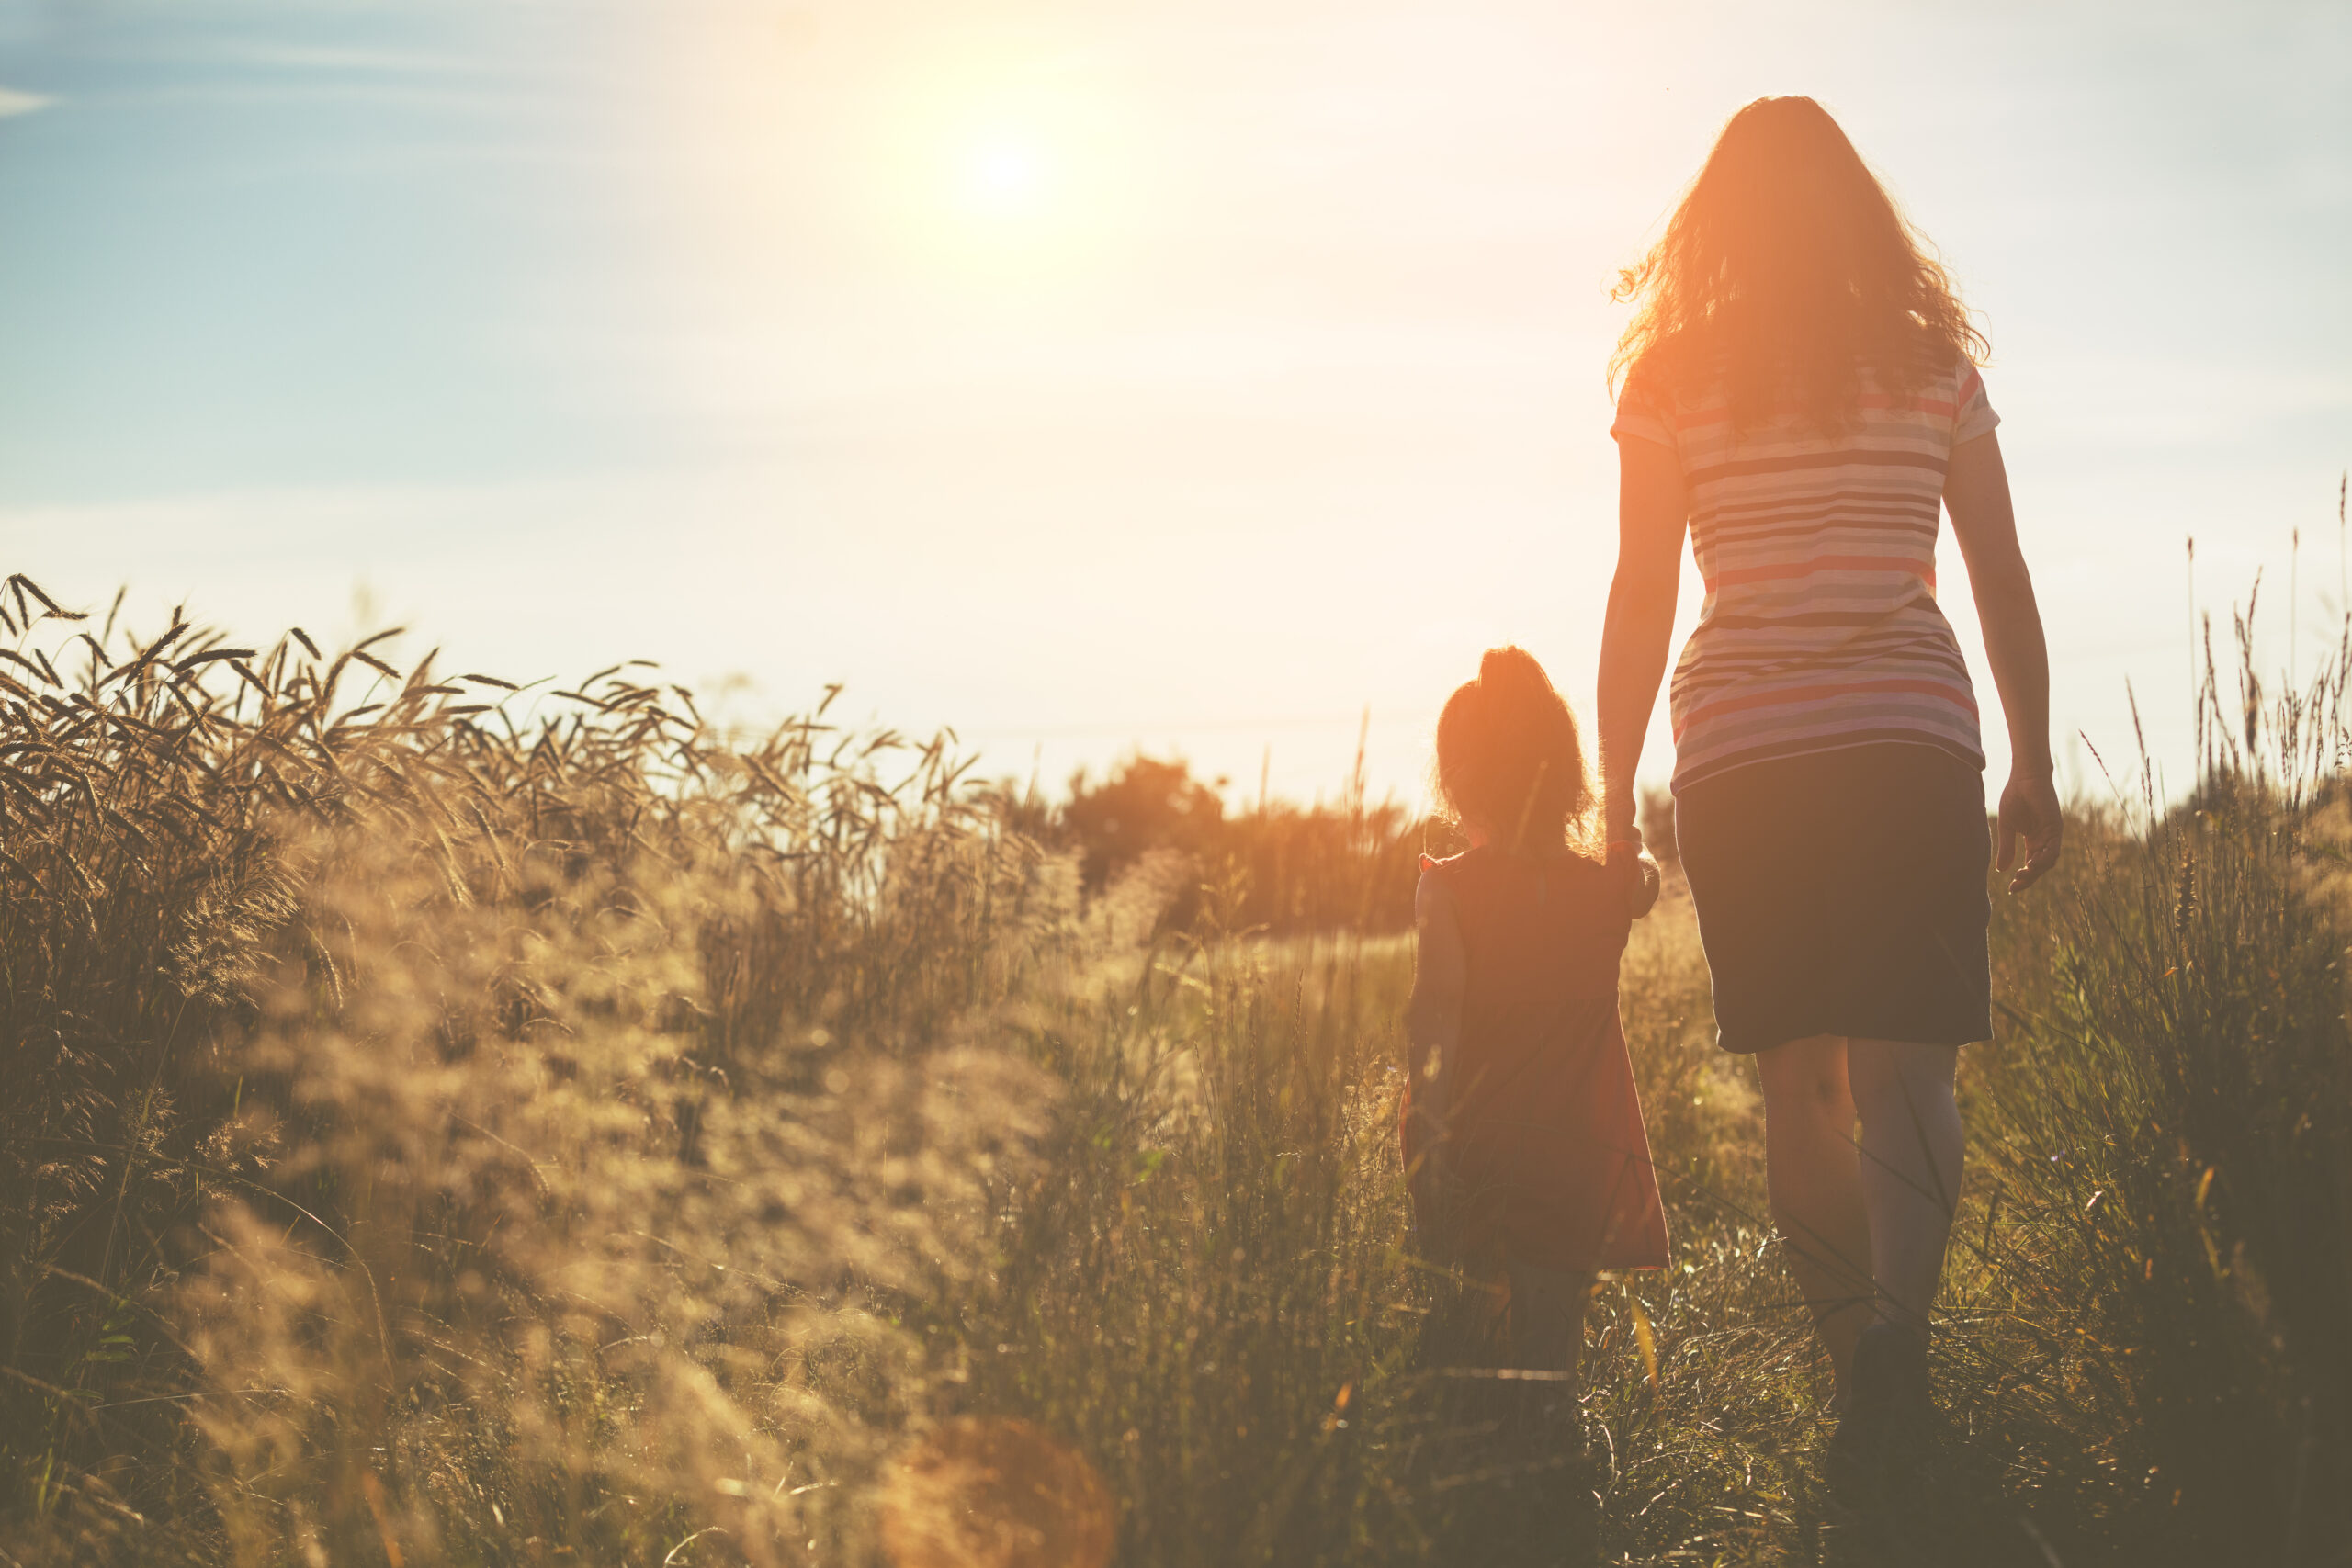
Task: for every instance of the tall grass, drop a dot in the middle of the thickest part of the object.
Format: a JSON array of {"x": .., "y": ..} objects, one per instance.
[
  {"x": 431, "y": 1137},
  {"x": 2175, "y": 1122},
  {"x": 449, "y": 1125}
]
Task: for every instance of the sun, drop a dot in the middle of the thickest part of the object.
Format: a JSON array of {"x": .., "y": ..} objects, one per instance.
[
  {"x": 1006, "y": 174},
  {"x": 1016, "y": 182}
]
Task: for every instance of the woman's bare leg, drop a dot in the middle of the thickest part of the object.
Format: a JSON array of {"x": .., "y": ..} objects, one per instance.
[
  {"x": 1814, "y": 1178},
  {"x": 1910, "y": 1168}
]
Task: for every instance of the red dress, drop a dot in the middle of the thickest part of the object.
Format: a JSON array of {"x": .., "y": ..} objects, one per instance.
[{"x": 1546, "y": 1127}]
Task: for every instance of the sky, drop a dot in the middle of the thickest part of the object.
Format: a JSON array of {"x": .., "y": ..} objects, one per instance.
[{"x": 1196, "y": 375}]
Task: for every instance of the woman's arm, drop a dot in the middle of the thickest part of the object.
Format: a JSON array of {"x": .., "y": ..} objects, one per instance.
[
  {"x": 1433, "y": 1017},
  {"x": 1976, "y": 492},
  {"x": 1652, "y": 514}
]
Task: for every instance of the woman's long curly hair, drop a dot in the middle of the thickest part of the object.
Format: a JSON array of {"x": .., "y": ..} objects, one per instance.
[
  {"x": 1509, "y": 757},
  {"x": 1786, "y": 272}
]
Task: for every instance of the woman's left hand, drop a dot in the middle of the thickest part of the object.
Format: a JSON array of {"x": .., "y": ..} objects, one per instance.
[{"x": 2029, "y": 812}]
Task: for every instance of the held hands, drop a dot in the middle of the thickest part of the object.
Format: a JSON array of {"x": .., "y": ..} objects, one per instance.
[
  {"x": 1625, "y": 843},
  {"x": 2031, "y": 815}
]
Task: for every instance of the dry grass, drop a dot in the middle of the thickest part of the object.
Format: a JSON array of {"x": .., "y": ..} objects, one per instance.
[
  {"x": 432, "y": 1138},
  {"x": 444, "y": 1129}
]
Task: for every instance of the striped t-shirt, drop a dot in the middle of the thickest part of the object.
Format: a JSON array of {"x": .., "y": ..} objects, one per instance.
[{"x": 1820, "y": 628}]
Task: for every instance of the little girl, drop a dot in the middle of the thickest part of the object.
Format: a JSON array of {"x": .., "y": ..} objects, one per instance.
[{"x": 1522, "y": 1134}]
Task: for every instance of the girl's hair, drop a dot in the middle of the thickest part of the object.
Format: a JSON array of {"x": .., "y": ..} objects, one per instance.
[
  {"x": 1507, "y": 757},
  {"x": 1786, "y": 269}
]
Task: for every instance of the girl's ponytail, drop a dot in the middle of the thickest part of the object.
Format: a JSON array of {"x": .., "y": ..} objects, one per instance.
[{"x": 1513, "y": 678}]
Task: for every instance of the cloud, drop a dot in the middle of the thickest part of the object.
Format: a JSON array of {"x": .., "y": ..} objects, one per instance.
[{"x": 12, "y": 102}]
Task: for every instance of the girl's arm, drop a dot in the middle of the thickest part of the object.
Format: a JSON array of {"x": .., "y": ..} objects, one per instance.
[
  {"x": 1433, "y": 1017},
  {"x": 1652, "y": 514},
  {"x": 1976, "y": 493}
]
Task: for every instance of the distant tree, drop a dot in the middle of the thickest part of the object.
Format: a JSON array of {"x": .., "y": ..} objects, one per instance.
[
  {"x": 1279, "y": 867},
  {"x": 1144, "y": 804}
]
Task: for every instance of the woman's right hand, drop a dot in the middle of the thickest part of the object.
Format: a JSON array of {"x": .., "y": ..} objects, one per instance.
[{"x": 1653, "y": 513}]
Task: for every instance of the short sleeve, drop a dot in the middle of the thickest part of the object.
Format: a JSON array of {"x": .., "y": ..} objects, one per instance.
[
  {"x": 1641, "y": 419},
  {"x": 1972, "y": 413}
]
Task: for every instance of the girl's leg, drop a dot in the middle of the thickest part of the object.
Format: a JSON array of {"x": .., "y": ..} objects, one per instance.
[
  {"x": 1548, "y": 1320},
  {"x": 1815, "y": 1178},
  {"x": 1910, "y": 1168},
  {"x": 1546, "y": 1335}
]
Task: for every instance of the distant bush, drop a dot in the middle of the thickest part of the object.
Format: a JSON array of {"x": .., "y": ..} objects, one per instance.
[{"x": 1276, "y": 867}]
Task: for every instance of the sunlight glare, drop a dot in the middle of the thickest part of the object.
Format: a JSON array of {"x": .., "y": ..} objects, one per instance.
[{"x": 1005, "y": 176}]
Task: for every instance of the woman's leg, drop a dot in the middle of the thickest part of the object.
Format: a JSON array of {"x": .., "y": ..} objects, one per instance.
[
  {"x": 1815, "y": 1178},
  {"x": 1910, "y": 1168}
]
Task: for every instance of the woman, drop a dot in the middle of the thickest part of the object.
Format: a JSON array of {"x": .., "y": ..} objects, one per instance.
[{"x": 1800, "y": 391}]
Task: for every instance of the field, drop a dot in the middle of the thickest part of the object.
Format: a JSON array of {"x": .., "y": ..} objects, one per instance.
[{"x": 445, "y": 1124}]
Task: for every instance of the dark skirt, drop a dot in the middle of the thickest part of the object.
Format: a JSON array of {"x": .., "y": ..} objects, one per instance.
[{"x": 1843, "y": 893}]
